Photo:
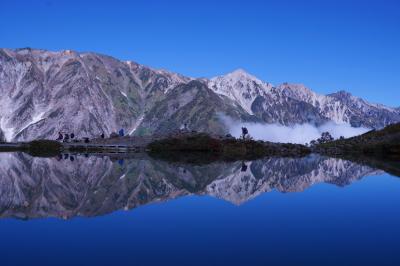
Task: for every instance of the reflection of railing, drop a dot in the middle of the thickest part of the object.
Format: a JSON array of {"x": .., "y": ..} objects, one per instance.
[
  {"x": 12, "y": 146},
  {"x": 103, "y": 148}
]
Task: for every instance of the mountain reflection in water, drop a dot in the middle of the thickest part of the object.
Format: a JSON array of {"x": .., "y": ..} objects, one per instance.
[{"x": 69, "y": 186}]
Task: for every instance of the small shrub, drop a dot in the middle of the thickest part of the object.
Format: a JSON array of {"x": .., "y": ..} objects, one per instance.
[{"x": 44, "y": 148}]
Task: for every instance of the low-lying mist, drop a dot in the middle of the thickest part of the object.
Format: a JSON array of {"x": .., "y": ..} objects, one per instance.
[{"x": 300, "y": 133}]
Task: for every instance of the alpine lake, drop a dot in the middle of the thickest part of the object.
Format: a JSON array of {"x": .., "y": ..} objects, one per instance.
[{"x": 96, "y": 209}]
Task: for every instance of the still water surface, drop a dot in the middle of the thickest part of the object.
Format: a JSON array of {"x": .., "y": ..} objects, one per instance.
[{"x": 140, "y": 211}]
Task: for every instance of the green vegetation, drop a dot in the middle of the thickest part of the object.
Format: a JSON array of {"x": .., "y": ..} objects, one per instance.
[
  {"x": 383, "y": 143},
  {"x": 39, "y": 148},
  {"x": 221, "y": 148},
  {"x": 44, "y": 148},
  {"x": 141, "y": 131}
]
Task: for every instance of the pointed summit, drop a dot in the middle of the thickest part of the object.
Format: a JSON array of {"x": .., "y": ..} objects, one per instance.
[
  {"x": 240, "y": 73},
  {"x": 240, "y": 86},
  {"x": 341, "y": 94}
]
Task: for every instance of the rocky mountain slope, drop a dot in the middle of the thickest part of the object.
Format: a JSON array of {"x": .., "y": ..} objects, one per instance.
[
  {"x": 32, "y": 187},
  {"x": 44, "y": 92}
]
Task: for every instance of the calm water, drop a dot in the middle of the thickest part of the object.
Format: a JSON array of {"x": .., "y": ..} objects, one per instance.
[{"x": 98, "y": 211}]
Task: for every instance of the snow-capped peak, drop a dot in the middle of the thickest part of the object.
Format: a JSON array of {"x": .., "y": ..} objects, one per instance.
[
  {"x": 240, "y": 86},
  {"x": 240, "y": 73}
]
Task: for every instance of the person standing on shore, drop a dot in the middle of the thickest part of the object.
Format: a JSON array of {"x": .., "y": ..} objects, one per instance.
[
  {"x": 60, "y": 136},
  {"x": 244, "y": 132}
]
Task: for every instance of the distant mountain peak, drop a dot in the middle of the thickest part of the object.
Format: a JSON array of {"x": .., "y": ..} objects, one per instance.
[
  {"x": 341, "y": 93},
  {"x": 297, "y": 91},
  {"x": 240, "y": 86},
  {"x": 240, "y": 74},
  {"x": 293, "y": 86}
]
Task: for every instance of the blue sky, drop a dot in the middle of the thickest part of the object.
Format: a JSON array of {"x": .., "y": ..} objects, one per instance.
[{"x": 326, "y": 45}]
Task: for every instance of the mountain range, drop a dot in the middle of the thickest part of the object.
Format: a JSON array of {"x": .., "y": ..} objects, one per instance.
[
  {"x": 44, "y": 92},
  {"x": 32, "y": 187}
]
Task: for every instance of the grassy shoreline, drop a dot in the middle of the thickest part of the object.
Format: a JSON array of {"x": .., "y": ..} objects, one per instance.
[
  {"x": 223, "y": 148},
  {"x": 384, "y": 143},
  {"x": 381, "y": 144},
  {"x": 38, "y": 148},
  {"x": 226, "y": 148}
]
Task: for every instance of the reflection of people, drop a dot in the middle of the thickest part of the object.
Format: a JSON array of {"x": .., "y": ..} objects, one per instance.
[
  {"x": 244, "y": 167},
  {"x": 121, "y": 162}
]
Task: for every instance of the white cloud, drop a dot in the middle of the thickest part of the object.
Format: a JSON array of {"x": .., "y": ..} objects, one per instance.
[{"x": 299, "y": 133}]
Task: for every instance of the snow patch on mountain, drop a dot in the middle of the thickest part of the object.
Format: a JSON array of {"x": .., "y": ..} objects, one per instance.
[
  {"x": 7, "y": 131},
  {"x": 328, "y": 106},
  {"x": 137, "y": 124},
  {"x": 35, "y": 119}
]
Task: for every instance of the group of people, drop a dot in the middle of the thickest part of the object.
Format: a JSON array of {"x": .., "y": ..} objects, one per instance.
[
  {"x": 69, "y": 137},
  {"x": 65, "y": 137}
]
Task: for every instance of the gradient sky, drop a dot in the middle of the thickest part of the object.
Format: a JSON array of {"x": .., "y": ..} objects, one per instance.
[{"x": 326, "y": 45}]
